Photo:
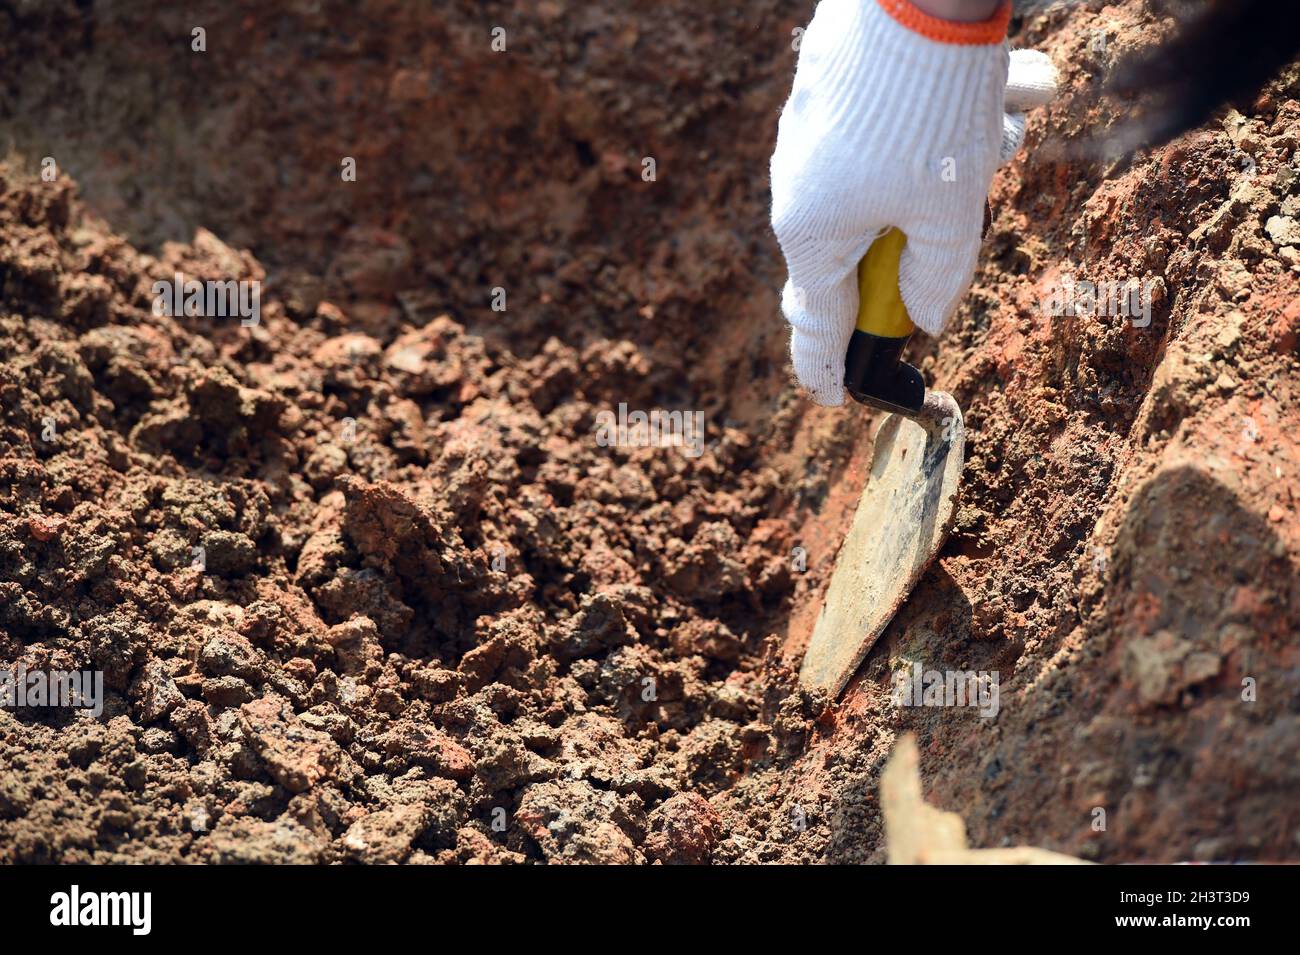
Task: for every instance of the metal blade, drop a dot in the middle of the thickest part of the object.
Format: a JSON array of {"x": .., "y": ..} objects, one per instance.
[{"x": 903, "y": 518}]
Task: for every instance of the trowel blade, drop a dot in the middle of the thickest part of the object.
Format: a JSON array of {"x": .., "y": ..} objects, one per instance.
[{"x": 903, "y": 518}]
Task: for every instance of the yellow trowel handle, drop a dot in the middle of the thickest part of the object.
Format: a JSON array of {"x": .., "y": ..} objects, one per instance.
[
  {"x": 873, "y": 371},
  {"x": 880, "y": 305}
]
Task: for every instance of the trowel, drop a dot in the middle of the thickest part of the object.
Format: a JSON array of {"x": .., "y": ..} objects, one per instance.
[{"x": 907, "y": 507}]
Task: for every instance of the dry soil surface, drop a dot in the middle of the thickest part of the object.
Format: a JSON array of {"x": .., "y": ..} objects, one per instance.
[{"x": 436, "y": 621}]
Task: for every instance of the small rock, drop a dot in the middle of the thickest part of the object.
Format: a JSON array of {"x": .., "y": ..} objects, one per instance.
[
  {"x": 1164, "y": 665},
  {"x": 385, "y": 837},
  {"x": 157, "y": 740},
  {"x": 683, "y": 831},
  {"x": 229, "y": 654},
  {"x": 295, "y": 756},
  {"x": 190, "y": 719},
  {"x": 573, "y": 822},
  {"x": 44, "y": 527},
  {"x": 1283, "y": 230},
  {"x": 155, "y": 691},
  {"x": 417, "y": 744}
]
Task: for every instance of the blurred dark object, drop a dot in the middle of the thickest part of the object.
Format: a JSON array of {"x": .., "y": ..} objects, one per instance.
[{"x": 1223, "y": 53}]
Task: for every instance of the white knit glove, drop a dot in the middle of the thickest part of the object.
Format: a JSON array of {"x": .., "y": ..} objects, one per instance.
[{"x": 896, "y": 118}]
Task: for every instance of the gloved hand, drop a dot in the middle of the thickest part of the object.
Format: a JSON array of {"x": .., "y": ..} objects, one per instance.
[{"x": 896, "y": 118}]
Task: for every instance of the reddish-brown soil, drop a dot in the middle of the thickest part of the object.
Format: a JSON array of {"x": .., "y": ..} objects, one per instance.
[{"x": 438, "y": 622}]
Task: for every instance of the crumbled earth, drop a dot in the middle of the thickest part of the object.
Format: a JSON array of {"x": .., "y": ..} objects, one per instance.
[{"x": 365, "y": 587}]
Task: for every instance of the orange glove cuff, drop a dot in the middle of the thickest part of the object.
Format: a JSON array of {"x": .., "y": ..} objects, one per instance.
[{"x": 992, "y": 30}]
